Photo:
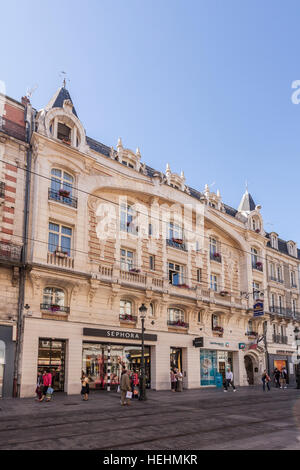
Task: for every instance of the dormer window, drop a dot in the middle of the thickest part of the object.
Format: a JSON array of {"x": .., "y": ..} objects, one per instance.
[
  {"x": 63, "y": 132},
  {"x": 274, "y": 242},
  {"x": 291, "y": 249}
]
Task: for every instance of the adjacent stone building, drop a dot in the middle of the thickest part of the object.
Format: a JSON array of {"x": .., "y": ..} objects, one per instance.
[{"x": 107, "y": 233}]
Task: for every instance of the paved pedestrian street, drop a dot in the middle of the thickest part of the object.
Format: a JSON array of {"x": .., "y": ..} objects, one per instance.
[{"x": 192, "y": 420}]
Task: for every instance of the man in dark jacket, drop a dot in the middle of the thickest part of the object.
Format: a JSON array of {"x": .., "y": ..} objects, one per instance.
[
  {"x": 277, "y": 377},
  {"x": 125, "y": 387}
]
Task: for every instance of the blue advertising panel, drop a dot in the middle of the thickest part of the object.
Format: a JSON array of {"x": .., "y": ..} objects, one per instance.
[
  {"x": 208, "y": 367},
  {"x": 258, "y": 309}
]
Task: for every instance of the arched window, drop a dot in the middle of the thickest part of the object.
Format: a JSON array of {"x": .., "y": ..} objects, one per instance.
[
  {"x": 125, "y": 307},
  {"x": 214, "y": 321},
  {"x": 61, "y": 181},
  {"x": 151, "y": 310},
  {"x": 256, "y": 264},
  {"x": 175, "y": 316},
  {"x": 53, "y": 299}
]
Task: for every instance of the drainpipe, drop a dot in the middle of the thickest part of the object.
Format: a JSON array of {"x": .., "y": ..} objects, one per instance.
[{"x": 20, "y": 319}]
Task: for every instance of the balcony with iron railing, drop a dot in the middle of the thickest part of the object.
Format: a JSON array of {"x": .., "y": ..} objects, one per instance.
[
  {"x": 10, "y": 253},
  {"x": 279, "y": 339},
  {"x": 178, "y": 324},
  {"x": 176, "y": 243},
  {"x": 219, "y": 330},
  {"x": 55, "y": 308},
  {"x": 257, "y": 265},
  {"x": 216, "y": 257},
  {"x": 62, "y": 196},
  {"x": 127, "y": 318},
  {"x": 253, "y": 334}
]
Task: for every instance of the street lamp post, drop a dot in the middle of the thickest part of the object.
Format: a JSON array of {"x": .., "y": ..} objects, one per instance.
[
  {"x": 143, "y": 311},
  {"x": 297, "y": 331}
]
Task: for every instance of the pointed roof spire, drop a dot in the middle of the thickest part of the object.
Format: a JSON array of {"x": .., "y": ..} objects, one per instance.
[
  {"x": 247, "y": 203},
  {"x": 57, "y": 100}
]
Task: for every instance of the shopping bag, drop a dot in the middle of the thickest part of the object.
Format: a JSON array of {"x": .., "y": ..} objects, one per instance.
[
  {"x": 50, "y": 391},
  {"x": 129, "y": 395},
  {"x": 118, "y": 389}
]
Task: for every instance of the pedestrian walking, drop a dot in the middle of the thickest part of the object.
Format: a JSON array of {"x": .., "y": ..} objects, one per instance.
[
  {"x": 125, "y": 388},
  {"x": 284, "y": 377},
  {"x": 276, "y": 375},
  {"x": 229, "y": 380},
  {"x": 173, "y": 380},
  {"x": 179, "y": 380},
  {"x": 39, "y": 386},
  {"x": 85, "y": 388},
  {"x": 47, "y": 389},
  {"x": 265, "y": 380}
]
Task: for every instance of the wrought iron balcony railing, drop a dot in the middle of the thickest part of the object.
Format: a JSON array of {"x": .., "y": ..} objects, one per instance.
[
  {"x": 176, "y": 243},
  {"x": 62, "y": 196},
  {"x": 216, "y": 257},
  {"x": 178, "y": 323},
  {"x": 258, "y": 266},
  {"x": 55, "y": 308},
  {"x": 280, "y": 339},
  {"x": 128, "y": 318}
]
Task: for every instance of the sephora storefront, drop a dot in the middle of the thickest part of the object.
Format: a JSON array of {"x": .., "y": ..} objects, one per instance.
[{"x": 95, "y": 357}]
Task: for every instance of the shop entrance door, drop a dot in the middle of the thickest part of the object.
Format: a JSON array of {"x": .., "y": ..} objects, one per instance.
[
  {"x": 52, "y": 356},
  {"x": 249, "y": 370},
  {"x": 176, "y": 359},
  {"x": 2, "y": 362}
]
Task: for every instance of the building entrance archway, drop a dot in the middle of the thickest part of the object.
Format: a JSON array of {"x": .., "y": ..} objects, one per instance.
[{"x": 249, "y": 369}]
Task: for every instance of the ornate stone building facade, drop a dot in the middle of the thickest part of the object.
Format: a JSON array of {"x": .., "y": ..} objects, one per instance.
[{"x": 107, "y": 233}]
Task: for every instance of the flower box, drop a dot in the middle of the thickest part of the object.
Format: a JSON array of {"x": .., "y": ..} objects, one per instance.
[
  {"x": 66, "y": 141},
  {"x": 257, "y": 230},
  {"x": 217, "y": 255},
  {"x": 183, "y": 285},
  {"x": 218, "y": 329},
  {"x": 180, "y": 323},
  {"x": 134, "y": 270},
  {"x": 179, "y": 241},
  {"x": 64, "y": 193},
  {"x": 55, "y": 308}
]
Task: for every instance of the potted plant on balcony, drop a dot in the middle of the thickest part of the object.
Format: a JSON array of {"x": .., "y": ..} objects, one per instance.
[
  {"x": 179, "y": 241},
  {"x": 217, "y": 256},
  {"x": 259, "y": 265},
  {"x": 55, "y": 308},
  {"x": 180, "y": 323},
  {"x": 66, "y": 141},
  {"x": 218, "y": 329},
  {"x": 128, "y": 317},
  {"x": 257, "y": 230},
  {"x": 134, "y": 270},
  {"x": 64, "y": 193}
]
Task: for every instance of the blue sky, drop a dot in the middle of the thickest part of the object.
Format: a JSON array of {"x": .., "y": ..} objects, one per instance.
[{"x": 202, "y": 84}]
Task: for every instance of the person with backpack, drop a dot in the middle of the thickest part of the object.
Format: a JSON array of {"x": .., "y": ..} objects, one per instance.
[{"x": 265, "y": 380}]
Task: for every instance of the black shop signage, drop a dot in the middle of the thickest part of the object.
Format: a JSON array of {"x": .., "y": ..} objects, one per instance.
[{"x": 118, "y": 334}]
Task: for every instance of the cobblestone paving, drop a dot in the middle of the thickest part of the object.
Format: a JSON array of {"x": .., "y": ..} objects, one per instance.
[{"x": 192, "y": 420}]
